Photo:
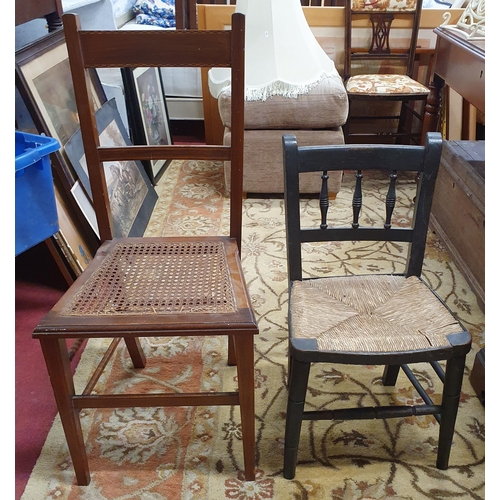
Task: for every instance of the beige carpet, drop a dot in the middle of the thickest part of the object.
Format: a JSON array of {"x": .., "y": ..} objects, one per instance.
[{"x": 195, "y": 453}]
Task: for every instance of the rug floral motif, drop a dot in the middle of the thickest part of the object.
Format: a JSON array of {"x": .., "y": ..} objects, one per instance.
[{"x": 196, "y": 453}]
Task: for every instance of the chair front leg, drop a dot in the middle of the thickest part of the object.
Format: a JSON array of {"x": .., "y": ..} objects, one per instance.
[
  {"x": 404, "y": 124},
  {"x": 244, "y": 355},
  {"x": 56, "y": 357},
  {"x": 449, "y": 408},
  {"x": 297, "y": 388}
]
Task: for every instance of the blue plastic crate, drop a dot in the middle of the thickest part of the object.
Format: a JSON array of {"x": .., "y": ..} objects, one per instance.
[{"x": 36, "y": 211}]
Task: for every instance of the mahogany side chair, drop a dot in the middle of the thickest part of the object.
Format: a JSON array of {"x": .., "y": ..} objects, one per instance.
[
  {"x": 161, "y": 286},
  {"x": 367, "y": 319},
  {"x": 378, "y": 68}
]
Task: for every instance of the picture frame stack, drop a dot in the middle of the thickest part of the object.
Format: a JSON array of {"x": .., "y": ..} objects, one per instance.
[
  {"x": 148, "y": 113},
  {"x": 46, "y": 105},
  {"x": 43, "y": 81}
]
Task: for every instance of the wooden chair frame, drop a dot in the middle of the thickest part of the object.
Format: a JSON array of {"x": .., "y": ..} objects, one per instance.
[
  {"x": 117, "y": 49},
  {"x": 382, "y": 23},
  {"x": 304, "y": 347}
]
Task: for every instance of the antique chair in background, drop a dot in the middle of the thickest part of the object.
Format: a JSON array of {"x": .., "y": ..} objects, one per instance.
[
  {"x": 378, "y": 72},
  {"x": 154, "y": 287},
  {"x": 371, "y": 319}
]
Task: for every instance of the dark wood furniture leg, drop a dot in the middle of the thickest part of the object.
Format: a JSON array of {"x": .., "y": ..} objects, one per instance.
[
  {"x": 54, "y": 21},
  {"x": 136, "y": 352},
  {"x": 465, "y": 133},
  {"x": 390, "y": 375},
  {"x": 477, "y": 374},
  {"x": 244, "y": 352},
  {"x": 231, "y": 353},
  {"x": 56, "y": 357},
  {"x": 449, "y": 409},
  {"x": 299, "y": 376},
  {"x": 432, "y": 106}
]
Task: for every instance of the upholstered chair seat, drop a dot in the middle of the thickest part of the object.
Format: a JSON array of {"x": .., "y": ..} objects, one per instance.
[{"x": 385, "y": 85}]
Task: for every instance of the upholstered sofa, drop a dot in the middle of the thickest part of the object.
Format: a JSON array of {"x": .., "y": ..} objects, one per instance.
[{"x": 315, "y": 118}]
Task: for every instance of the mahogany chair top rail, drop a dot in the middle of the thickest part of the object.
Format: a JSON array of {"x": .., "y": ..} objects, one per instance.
[{"x": 177, "y": 48}]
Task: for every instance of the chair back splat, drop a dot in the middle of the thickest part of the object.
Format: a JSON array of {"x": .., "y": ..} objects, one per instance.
[
  {"x": 154, "y": 287},
  {"x": 368, "y": 319},
  {"x": 384, "y": 97}
]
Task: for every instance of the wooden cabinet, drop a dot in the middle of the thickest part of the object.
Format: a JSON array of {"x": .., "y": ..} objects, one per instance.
[
  {"x": 458, "y": 209},
  {"x": 51, "y": 10}
]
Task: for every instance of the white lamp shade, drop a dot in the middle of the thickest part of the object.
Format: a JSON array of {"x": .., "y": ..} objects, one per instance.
[{"x": 282, "y": 56}]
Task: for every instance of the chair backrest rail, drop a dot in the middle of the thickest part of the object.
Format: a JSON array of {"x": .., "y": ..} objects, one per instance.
[
  {"x": 197, "y": 152},
  {"x": 368, "y": 157},
  {"x": 122, "y": 48},
  {"x": 400, "y": 234}
]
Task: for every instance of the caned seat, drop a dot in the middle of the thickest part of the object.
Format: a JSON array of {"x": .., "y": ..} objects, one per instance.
[
  {"x": 384, "y": 98},
  {"x": 370, "y": 318},
  {"x": 154, "y": 287}
]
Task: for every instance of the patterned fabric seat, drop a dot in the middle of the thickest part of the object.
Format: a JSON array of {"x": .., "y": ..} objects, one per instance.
[{"x": 385, "y": 85}]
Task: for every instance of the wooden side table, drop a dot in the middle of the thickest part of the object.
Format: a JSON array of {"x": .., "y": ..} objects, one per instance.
[
  {"x": 477, "y": 375},
  {"x": 51, "y": 10},
  {"x": 459, "y": 63},
  {"x": 458, "y": 210}
]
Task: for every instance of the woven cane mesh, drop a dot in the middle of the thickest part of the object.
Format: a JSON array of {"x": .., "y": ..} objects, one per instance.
[
  {"x": 158, "y": 278},
  {"x": 370, "y": 314}
]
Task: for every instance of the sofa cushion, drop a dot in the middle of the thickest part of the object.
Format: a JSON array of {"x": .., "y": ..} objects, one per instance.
[
  {"x": 263, "y": 160},
  {"x": 325, "y": 106}
]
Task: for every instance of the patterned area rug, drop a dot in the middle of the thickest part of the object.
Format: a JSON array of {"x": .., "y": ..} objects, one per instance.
[{"x": 195, "y": 453}]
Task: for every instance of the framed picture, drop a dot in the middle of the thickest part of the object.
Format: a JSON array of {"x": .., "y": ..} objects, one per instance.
[
  {"x": 132, "y": 195},
  {"x": 85, "y": 205},
  {"x": 148, "y": 113},
  {"x": 71, "y": 244},
  {"x": 43, "y": 79},
  {"x": 45, "y": 104}
]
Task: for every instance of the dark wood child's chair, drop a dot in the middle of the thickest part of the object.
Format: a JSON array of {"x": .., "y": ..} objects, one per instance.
[
  {"x": 378, "y": 69},
  {"x": 372, "y": 319},
  {"x": 154, "y": 287}
]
